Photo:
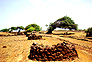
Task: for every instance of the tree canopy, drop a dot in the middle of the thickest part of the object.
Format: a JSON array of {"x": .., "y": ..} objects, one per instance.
[
  {"x": 89, "y": 32},
  {"x": 67, "y": 20},
  {"x": 4, "y": 30},
  {"x": 64, "y": 22},
  {"x": 20, "y": 27},
  {"x": 13, "y": 28},
  {"x": 32, "y": 27}
]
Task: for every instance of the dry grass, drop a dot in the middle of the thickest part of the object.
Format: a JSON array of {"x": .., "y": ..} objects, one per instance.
[{"x": 5, "y": 34}]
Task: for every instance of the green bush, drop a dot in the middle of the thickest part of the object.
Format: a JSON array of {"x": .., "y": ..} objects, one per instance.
[
  {"x": 33, "y": 27},
  {"x": 4, "y": 30},
  {"x": 89, "y": 29},
  {"x": 20, "y": 27},
  {"x": 89, "y": 32},
  {"x": 30, "y": 29}
]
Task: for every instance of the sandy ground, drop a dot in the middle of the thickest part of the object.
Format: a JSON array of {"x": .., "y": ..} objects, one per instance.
[{"x": 17, "y": 48}]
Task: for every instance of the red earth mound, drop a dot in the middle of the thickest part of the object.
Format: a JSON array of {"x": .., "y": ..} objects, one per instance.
[{"x": 55, "y": 53}]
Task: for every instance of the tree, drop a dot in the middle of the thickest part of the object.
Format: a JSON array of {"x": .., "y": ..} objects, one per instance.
[
  {"x": 33, "y": 27},
  {"x": 67, "y": 22},
  {"x": 12, "y": 28},
  {"x": 64, "y": 22},
  {"x": 50, "y": 26},
  {"x": 89, "y": 32},
  {"x": 4, "y": 30},
  {"x": 30, "y": 29},
  {"x": 46, "y": 25},
  {"x": 20, "y": 28}
]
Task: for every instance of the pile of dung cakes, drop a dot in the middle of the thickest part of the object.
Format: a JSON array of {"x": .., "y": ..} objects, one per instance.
[
  {"x": 59, "y": 52},
  {"x": 34, "y": 37}
]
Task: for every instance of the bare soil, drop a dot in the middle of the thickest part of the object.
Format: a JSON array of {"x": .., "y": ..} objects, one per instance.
[{"x": 17, "y": 48}]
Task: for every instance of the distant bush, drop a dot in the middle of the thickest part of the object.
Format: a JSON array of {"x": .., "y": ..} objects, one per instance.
[
  {"x": 4, "y": 30},
  {"x": 89, "y": 32},
  {"x": 33, "y": 27},
  {"x": 80, "y": 30},
  {"x": 84, "y": 29}
]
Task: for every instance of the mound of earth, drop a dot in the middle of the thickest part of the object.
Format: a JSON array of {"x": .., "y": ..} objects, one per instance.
[
  {"x": 59, "y": 52},
  {"x": 34, "y": 37}
]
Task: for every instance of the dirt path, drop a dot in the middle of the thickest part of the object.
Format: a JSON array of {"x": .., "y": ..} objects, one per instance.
[
  {"x": 84, "y": 48},
  {"x": 17, "y": 48}
]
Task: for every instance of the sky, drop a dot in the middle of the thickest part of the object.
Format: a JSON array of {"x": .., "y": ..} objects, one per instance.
[{"x": 42, "y": 12}]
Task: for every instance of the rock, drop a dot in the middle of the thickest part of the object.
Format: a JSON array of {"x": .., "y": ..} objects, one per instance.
[
  {"x": 33, "y": 37},
  {"x": 4, "y": 46}
]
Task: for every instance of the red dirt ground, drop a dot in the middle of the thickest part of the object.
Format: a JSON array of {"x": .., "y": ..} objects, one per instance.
[{"x": 17, "y": 48}]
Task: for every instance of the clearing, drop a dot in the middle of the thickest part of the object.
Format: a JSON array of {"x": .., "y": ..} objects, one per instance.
[{"x": 17, "y": 48}]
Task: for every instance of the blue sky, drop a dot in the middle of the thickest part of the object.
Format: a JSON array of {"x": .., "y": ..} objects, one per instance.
[{"x": 42, "y": 12}]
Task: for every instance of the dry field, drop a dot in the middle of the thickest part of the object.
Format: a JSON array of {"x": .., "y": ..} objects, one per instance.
[{"x": 17, "y": 48}]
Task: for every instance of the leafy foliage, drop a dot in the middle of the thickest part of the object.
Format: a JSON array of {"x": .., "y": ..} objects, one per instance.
[
  {"x": 33, "y": 27},
  {"x": 89, "y": 32},
  {"x": 4, "y": 30},
  {"x": 50, "y": 26},
  {"x": 89, "y": 29},
  {"x": 20, "y": 27},
  {"x": 30, "y": 29},
  {"x": 13, "y": 28},
  {"x": 46, "y": 25},
  {"x": 66, "y": 22}
]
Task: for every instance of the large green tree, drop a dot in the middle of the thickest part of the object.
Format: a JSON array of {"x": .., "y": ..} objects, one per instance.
[
  {"x": 33, "y": 27},
  {"x": 64, "y": 22}
]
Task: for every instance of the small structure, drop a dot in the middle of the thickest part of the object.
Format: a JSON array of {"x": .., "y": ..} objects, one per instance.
[{"x": 18, "y": 32}]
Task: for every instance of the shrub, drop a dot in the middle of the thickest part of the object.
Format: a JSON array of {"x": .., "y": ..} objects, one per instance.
[
  {"x": 4, "y": 30},
  {"x": 89, "y": 32},
  {"x": 33, "y": 27},
  {"x": 30, "y": 29}
]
